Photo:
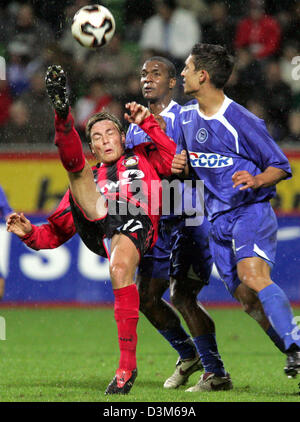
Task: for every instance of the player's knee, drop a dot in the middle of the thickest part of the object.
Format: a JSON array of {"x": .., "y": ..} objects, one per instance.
[
  {"x": 119, "y": 273},
  {"x": 178, "y": 296}
]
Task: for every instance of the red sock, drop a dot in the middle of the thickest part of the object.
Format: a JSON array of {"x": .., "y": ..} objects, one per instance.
[
  {"x": 69, "y": 144},
  {"x": 127, "y": 303}
]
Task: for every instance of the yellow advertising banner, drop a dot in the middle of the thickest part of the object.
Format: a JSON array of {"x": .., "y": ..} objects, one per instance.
[{"x": 35, "y": 182}]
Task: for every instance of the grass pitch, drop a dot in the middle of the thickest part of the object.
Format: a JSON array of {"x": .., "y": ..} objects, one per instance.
[{"x": 70, "y": 355}]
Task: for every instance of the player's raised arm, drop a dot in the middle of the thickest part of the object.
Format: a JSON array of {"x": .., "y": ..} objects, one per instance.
[{"x": 166, "y": 147}]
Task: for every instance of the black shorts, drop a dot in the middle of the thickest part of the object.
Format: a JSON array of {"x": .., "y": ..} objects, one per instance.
[{"x": 138, "y": 228}]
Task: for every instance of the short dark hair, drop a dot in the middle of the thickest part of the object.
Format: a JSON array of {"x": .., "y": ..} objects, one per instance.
[
  {"x": 98, "y": 117},
  {"x": 216, "y": 60},
  {"x": 170, "y": 66}
]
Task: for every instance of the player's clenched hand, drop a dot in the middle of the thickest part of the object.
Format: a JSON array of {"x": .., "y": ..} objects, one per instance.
[
  {"x": 18, "y": 224},
  {"x": 179, "y": 163},
  {"x": 138, "y": 113},
  {"x": 246, "y": 179}
]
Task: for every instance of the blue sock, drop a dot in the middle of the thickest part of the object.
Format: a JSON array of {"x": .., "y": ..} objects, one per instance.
[
  {"x": 278, "y": 310},
  {"x": 207, "y": 348},
  {"x": 180, "y": 341},
  {"x": 275, "y": 338}
]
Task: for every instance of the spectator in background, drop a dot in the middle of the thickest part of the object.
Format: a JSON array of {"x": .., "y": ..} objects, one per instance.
[
  {"x": 293, "y": 136},
  {"x": 171, "y": 32},
  {"x": 5, "y": 24},
  {"x": 113, "y": 63},
  {"x": 132, "y": 89},
  {"x": 136, "y": 12},
  {"x": 258, "y": 31},
  {"x": 199, "y": 8},
  {"x": 92, "y": 103},
  {"x": 40, "y": 111},
  {"x": 277, "y": 99},
  {"x": 17, "y": 130},
  {"x": 256, "y": 107},
  {"x": 17, "y": 67},
  {"x": 66, "y": 42},
  {"x": 291, "y": 18},
  {"x": 220, "y": 29},
  {"x": 5, "y": 102},
  {"x": 30, "y": 30},
  {"x": 246, "y": 81},
  {"x": 5, "y": 211}
]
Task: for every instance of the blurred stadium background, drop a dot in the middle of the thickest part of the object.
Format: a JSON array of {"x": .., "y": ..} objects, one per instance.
[{"x": 263, "y": 36}]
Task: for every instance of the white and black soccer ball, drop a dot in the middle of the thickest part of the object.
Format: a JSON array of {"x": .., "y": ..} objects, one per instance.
[{"x": 93, "y": 26}]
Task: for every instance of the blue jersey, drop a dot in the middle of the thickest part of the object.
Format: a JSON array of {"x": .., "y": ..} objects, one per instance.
[
  {"x": 5, "y": 208},
  {"x": 135, "y": 135},
  {"x": 231, "y": 140}
]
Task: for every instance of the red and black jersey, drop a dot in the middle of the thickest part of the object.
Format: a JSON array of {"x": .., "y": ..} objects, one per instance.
[{"x": 133, "y": 179}]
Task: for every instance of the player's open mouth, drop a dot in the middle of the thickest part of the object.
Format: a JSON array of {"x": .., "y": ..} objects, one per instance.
[{"x": 148, "y": 89}]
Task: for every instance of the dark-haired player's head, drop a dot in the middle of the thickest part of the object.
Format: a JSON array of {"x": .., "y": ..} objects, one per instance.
[
  {"x": 207, "y": 63},
  {"x": 106, "y": 137},
  {"x": 158, "y": 78}
]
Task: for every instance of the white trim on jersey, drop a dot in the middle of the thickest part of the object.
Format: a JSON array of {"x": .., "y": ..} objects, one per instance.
[
  {"x": 232, "y": 130},
  {"x": 219, "y": 115},
  {"x": 167, "y": 113}
]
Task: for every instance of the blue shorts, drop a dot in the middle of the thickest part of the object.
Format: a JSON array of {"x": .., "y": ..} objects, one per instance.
[
  {"x": 156, "y": 262},
  {"x": 180, "y": 251},
  {"x": 247, "y": 231},
  {"x": 191, "y": 256}
]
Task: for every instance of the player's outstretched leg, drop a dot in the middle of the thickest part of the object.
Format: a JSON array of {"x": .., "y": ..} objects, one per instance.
[{"x": 70, "y": 149}]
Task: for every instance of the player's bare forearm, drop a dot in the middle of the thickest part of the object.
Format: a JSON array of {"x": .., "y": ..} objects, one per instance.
[{"x": 270, "y": 177}]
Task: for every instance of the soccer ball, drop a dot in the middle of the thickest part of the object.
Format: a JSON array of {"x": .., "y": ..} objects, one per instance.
[{"x": 93, "y": 26}]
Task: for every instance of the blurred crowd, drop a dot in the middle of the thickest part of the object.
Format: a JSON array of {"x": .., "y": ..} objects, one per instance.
[{"x": 263, "y": 36}]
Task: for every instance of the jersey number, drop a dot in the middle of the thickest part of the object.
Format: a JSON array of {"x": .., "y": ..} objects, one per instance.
[{"x": 135, "y": 227}]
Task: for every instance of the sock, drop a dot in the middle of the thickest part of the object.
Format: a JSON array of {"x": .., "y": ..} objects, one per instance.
[
  {"x": 180, "y": 341},
  {"x": 275, "y": 338},
  {"x": 69, "y": 144},
  {"x": 207, "y": 348},
  {"x": 126, "y": 315},
  {"x": 279, "y": 312}
]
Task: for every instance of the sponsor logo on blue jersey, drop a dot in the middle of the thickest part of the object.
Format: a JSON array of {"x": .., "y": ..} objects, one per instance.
[
  {"x": 211, "y": 160},
  {"x": 202, "y": 135}
]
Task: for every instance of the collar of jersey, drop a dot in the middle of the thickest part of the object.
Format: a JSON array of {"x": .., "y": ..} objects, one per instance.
[
  {"x": 227, "y": 101},
  {"x": 166, "y": 110}
]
